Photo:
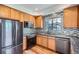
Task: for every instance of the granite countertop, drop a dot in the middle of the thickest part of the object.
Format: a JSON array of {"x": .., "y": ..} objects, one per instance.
[
  {"x": 60, "y": 36},
  {"x": 74, "y": 40},
  {"x": 55, "y": 35},
  {"x": 75, "y": 44}
]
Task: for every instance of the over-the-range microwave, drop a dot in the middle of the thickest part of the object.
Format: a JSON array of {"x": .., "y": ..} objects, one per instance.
[{"x": 28, "y": 24}]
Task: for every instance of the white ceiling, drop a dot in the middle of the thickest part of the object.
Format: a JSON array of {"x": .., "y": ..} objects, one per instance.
[{"x": 39, "y": 9}]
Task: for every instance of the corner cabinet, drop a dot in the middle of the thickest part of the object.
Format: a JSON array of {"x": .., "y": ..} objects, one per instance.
[
  {"x": 38, "y": 21},
  {"x": 71, "y": 19}
]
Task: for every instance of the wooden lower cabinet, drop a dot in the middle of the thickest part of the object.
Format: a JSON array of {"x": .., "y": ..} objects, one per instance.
[
  {"x": 24, "y": 43},
  {"x": 51, "y": 43},
  {"x": 45, "y": 41},
  {"x": 42, "y": 40},
  {"x": 39, "y": 40}
]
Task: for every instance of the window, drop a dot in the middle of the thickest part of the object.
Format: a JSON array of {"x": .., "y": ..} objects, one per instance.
[
  {"x": 53, "y": 25},
  {"x": 48, "y": 24},
  {"x": 57, "y": 24}
]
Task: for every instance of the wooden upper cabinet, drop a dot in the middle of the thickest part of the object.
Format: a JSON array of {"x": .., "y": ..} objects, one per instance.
[
  {"x": 39, "y": 22},
  {"x": 7, "y": 12},
  {"x": 51, "y": 43},
  {"x": 15, "y": 14},
  {"x": 26, "y": 17},
  {"x": 32, "y": 19},
  {"x": 71, "y": 18},
  {"x": 4, "y": 11},
  {"x": 22, "y": 17}
]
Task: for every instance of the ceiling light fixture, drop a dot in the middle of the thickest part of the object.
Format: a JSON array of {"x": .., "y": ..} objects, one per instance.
[{"x": 36, "y": 9}]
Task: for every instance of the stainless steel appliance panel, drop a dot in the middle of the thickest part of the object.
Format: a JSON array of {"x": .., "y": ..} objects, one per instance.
[
  {"x": 11, "y": 36},
  {"x": 6, "y": 33},
  {"x": 62, "y": 45},
  {"x": 13, "y": 50},
  {"x": 19, "y": 33},
  {"x": 0, "y": 34}
]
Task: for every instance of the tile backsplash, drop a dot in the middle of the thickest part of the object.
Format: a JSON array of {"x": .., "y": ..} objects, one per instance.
[
  {"x": 73, "y": 32},
  {"x": 28, "y": 31}
]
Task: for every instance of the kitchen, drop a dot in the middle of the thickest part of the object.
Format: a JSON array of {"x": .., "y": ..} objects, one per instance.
[{"x": 49, "y": 29}]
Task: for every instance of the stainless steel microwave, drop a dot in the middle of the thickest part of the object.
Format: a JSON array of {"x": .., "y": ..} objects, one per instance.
[{"x": 28, "y": 24}]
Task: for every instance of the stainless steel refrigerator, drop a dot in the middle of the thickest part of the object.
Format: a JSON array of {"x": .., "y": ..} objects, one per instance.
[{"x": 11, "y": 35}]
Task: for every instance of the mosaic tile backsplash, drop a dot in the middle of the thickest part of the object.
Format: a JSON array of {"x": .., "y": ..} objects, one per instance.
[{"x": 72, "y": 32}]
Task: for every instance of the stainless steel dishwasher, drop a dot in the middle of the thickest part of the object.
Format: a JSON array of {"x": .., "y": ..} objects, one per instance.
[{"x": 63, "y": 45}]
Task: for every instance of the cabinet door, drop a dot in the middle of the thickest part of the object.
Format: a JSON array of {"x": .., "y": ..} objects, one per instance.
[
  {"x": 26, "y": 17},
  {"x": 24, "y": 43},
  {"x": 32, "y": 19},
  {"x": 22, "y": 17},
  {"x": 15, "y": 14},
  {"x": 44, "y": 41},
  {"x": 39, "y": 22},
  {"x": 70, "y": 17},
  {"x": 39, "y": 40},
  {"x": 51, "y": 43},
  {"x": 4, "y": 11}
]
